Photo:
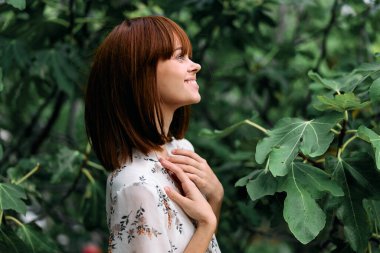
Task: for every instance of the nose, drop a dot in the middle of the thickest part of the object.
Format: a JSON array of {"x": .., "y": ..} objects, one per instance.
[{"x": 194, "y": 67}]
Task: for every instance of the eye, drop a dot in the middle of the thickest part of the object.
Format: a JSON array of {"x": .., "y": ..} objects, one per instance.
[{"x": 180, "y": 57}]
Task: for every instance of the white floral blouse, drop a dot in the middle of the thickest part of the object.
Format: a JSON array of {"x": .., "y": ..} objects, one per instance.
[{"x": 140, "y": 216}]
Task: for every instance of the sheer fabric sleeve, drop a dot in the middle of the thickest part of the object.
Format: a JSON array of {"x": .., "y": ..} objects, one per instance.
[{"x": 137, "y": 223}]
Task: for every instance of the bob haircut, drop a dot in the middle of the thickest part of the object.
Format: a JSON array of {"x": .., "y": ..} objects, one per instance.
[{"x": 122, "y": 105}]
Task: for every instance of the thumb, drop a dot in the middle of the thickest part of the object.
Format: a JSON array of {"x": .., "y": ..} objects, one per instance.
[{"x": 175, "y": 196}]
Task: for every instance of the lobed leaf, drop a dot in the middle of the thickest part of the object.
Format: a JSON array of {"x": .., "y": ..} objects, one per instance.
[
  {"x": 315, "y": 180},
  {"x": 373, "y": 138},
  {"x": 244, "y": 180},
  {"x": 11, "y": 197},
  {"x": 351, "y": 211},
  {"x": 328, "y": 83},
  {"x": 302, "y": 213},
  {"x": 290, "y": 136},
  {"x": 261, "y": 184},
  {"x": 340, "y": 102}
]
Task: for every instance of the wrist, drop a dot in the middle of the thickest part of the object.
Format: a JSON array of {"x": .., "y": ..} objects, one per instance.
[
  {"x": 216, "y": 196},
  {"x": 208, "y": 224}
]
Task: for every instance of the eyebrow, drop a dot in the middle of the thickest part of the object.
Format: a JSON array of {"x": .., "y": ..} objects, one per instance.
[{"x": 178, "y": 48}]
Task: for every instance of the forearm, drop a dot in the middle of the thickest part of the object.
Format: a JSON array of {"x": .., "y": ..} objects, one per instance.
[
  {"x": 216, "y": 205},
  {"x": 201, "y": 238}
]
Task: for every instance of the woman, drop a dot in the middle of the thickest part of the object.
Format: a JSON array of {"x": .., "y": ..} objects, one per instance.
[{"x": 161, "y": 195}]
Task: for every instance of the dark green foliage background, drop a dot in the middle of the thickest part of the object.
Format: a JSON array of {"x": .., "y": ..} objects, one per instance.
[{"x": 255, "y": 57}]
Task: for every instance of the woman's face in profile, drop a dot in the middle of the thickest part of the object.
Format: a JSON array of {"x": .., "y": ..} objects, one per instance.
[{"x": 177, "y": 81}]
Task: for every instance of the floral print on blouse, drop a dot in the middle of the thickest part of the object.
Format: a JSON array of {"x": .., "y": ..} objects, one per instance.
[{"x": 140, "y": 216}]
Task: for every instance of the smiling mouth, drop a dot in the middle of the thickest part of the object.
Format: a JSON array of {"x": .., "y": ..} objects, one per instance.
[{"x": 192, "y": 81}]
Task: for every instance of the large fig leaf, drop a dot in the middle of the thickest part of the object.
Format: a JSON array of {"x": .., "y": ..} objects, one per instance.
[
  {"x": 315, "y": 180},
  {"x": 302, "y": 213},
  {"x": 291, "y": 135},
  {"x": 351, "y": 211},
  {"x": 261, "y": 185}
]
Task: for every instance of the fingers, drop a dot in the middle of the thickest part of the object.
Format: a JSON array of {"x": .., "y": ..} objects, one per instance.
[
  {"x": 175, "y": 169},
  {"x": 188, "y": 153},
  {"x": 175, "y": 196}
]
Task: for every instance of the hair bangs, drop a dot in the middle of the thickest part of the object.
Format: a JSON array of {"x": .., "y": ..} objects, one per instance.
[{"x": 165, "y": 38}]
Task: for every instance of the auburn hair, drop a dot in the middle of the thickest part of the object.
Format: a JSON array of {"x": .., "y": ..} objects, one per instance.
[{"x": 122, "y": 105}]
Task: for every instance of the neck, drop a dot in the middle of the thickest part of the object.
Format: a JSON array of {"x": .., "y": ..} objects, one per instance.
[{"x": 167, "y": 119}]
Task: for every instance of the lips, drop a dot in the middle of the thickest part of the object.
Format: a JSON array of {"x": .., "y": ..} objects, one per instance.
[{"x": 194, "y": 81}]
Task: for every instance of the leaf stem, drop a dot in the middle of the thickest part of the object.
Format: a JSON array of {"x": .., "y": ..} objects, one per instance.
[
  {"x": 1, "y": 216},
  {"x": 267, "y": 166},
  {"x": 8, "y": 217},
  {"x": 348, "y": 142},
  {"x": 95, "y": 165},
  {"x": 339, "y": 153},
  {"x": 27, "y": 175},
  {"x": 87, "y": 173},
  {"x": 352, "y": 131},
  {"x": 262, "y": 129},
  {"x": 334, "y": 131}
]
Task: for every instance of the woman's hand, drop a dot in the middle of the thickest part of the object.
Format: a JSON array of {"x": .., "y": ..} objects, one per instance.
[
  {"x": 193, "y": 202},
  {"x": 199, "y": 172},
  {"x": 195, "y": 205}
]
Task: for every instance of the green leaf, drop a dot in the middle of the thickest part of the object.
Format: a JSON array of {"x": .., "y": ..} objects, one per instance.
[
  {"x": 291, "y": 135},
  {"x": 340, "y": 102},
  {"x": 10, "y": 198},
  {"x": 351, "y": 212},
  {"x": 10, "y": 242},
  {"x": 19, "y": 4},
  {"x": 302, "y": 213},
  {"x": 244, "y": 180},
  {"x": 373, "y": 210},
  {"x": 36, "y": 240},
  {"x": 374, "y": 91},
  {"x": 315, "y": 180},
  {"x": 1, "y": 152},
  {"x": 260, "y": 185},
  {"x": 330, "y": 84},
  {"x": 373, "y": 138},
  {"x": 222, "y": 133},
  {"x": 367, "y": 68}
]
